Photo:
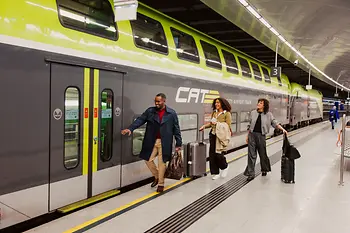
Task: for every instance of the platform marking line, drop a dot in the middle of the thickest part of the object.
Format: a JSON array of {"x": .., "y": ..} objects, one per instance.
[
  {"x": 130, "y": 204},
  {"x": 80, "y": 228}
]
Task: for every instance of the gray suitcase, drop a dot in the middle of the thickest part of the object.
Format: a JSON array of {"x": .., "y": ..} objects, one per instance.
[{"x": 195, "y": 158}]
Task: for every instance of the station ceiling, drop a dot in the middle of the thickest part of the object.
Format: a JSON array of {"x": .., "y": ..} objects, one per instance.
[{"x": 197, "y": 14}]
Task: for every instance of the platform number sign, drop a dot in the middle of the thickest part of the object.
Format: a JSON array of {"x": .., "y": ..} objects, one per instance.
[{"x": 276, "y": 72}]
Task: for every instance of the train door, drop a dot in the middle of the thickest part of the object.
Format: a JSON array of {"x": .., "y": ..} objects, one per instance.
[
  {"x": 84, "y": 133},
  {"x": 106, "y": 165}
]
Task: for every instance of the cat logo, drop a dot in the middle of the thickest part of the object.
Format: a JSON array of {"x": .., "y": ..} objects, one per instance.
[{"x": 188, "y": 95}]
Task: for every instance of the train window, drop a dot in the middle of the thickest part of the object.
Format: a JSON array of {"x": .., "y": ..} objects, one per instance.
[
  {"x": 234, "y": 122},
  {"x": 137, "y": 139},
  {"x": 211, "y": 53},
  {"x": 245, "y": 119},
  {"x": 106, "y": 125},
  {"x": 230, "y": 60},
  {"x": 245, "y": 67},
  {"x": 71, "y": 128},
  {"x": 266, "y": 75},
  {"x": 189, "y": 127},
  {"x": 185, "y": 46},
  {"x": 256, "y": 70},
  {"x": 95, "y": 17},
  {"x": 149, "y": 34}
]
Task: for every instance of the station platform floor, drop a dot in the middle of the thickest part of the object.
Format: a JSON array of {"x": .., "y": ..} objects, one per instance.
[{"x": 315, "y": 203}]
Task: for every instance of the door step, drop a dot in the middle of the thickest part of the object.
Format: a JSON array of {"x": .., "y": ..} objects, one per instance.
[{"x": 85, "y": 202}]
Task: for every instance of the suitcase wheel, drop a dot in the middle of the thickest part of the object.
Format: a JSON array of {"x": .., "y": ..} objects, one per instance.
[{"x": 205, "y": 174}]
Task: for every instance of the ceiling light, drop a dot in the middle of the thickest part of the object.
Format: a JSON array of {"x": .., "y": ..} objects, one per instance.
[
  {"x": 243, "y": 2},
  {"x": 265, "y": 22},
  {"x": 274, "y": 31},
  {"x": 256, "y": 14},
  {"x": 282, "y": 38}
]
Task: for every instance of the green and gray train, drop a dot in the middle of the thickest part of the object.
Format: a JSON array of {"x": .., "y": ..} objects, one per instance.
[{"x": 72, "y": 78}]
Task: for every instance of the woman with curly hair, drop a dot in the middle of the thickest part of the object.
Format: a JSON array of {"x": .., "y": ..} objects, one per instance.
[
  {"x": 260, "y": 121},
  {"x": 221, "y": 114}
]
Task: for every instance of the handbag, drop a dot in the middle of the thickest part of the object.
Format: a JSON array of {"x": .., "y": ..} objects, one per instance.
[
  {"x": 289, "y": 150},
  {"x": 175, "y": 167}
]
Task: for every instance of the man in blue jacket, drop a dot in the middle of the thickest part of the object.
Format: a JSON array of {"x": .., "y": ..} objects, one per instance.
[
  {"x": 332, "y": 116},
  {"x": 162, "y": 127}
]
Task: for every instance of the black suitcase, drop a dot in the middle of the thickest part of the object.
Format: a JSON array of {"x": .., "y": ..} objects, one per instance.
[{"x": 287, "y": 170}]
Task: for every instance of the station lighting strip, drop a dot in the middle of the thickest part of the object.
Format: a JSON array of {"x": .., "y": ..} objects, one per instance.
[{"x": 274, "y": 31}]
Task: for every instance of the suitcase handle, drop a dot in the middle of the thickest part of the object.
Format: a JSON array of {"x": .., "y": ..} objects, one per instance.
[{"x": 201, "y": 136}]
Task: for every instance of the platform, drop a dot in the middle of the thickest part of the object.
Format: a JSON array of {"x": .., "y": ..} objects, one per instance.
[{"x": 315, "y": 203}]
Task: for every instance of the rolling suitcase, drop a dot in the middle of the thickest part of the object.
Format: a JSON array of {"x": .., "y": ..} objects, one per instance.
[
  {"x": 287, "y": 170},
  {"x": 195, "y": 158},
  {"x": 289, "y": 153}
]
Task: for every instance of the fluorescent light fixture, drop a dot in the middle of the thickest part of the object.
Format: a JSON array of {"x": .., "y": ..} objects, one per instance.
[
  {"x": 146, "y": 40},
  {"x": 274, "y": 31},
  {"x": 256, "y": 14},
  {"x": 244, "y": 2},
  {"x": 72, "y": 15},
  {"x": 282, "y": 38},
  {"x": 265, "y": 22},
  {"x": 112, "y": 29}
]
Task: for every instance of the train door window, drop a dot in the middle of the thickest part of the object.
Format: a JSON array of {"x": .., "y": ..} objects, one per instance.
[
  {"x": 149, "y": 34},
  {"x": 95, "y": 17},
  {"x": 71, "y": 128},
  {"x": 234, "y": 122},
  {"x": 256, "y": 70},
  {"x": 211, "y": 53},
  {"x": 106, "y": 125},
  {"x": 245, "y": 119},
  {"x": 185, "y": 46},
  {"x": 245, "y": 67},
  {"x": 230, "y": 60},
  {"x": 266, "y": 75},
  {"x": 189, "y": 127}
]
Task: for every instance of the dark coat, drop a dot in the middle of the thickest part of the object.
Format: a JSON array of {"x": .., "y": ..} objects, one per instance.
[
  {"x": 169, "y": 128},
  {"x": 332, "y": 115}
]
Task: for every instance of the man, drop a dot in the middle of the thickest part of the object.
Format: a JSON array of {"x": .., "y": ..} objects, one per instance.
[
  {"x": 260, "y": 121},
  {"x": 162, "y": 127},
  {"x": 332, "y": 116}
]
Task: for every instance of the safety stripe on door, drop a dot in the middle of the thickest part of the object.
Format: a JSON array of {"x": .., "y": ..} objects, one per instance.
[
  {"x": 86, "y": 121},
  {"x": 95, "y": 122}
]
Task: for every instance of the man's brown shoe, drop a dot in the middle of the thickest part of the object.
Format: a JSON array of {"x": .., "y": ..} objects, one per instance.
[{"x": 160, "y": 189}]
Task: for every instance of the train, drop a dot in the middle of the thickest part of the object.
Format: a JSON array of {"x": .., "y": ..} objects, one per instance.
[{"x": 72, "y": 78}]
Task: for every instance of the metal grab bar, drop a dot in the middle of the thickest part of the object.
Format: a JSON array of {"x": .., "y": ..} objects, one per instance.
[{"x": 342, "y": 153}]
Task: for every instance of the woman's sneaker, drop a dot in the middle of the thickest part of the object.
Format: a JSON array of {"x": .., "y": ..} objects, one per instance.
[
  {"x": 215, "y": 177},
  {"x": 224, "y": 172}
]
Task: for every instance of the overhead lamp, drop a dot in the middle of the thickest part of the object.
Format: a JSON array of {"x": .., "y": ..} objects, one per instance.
[
  {"x": 265, "y": 22},
  {"x": 244, "y": 3},
  {"x": 274, "y": 31},
  {"x": 282, "y": 38},
  {"x": 256, "y": 14}
]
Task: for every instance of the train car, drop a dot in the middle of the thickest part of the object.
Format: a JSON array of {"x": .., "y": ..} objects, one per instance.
[
  {"x": 306, "y": 106},
  {"x": 72, "y": 78}
]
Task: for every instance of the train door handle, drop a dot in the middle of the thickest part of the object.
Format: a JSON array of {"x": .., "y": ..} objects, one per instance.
[{"x": 95, "y": 140}]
